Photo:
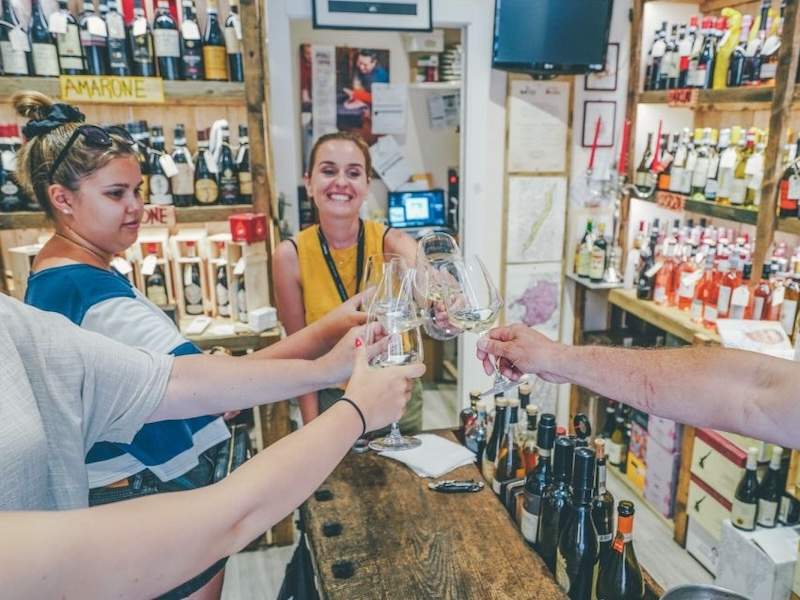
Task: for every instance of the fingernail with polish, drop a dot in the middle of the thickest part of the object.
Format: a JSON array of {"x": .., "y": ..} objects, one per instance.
[{"x": 359, "y": 343}]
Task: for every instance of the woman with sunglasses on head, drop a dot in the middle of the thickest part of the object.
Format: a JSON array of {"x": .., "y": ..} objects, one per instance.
[
  {"x": 87, "y": 180},
  {"x": 323, "y": 265}
]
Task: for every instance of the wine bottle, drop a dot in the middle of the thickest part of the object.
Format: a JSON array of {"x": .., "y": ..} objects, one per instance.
[
  {"x": 620, "y": 577},
  {"x": 94, "y": 40},
  {"x": 577, "y": 544},
  {"x": 167, "y": 43},
  {"x": 155, "y": 284},
  {"x": 138, "y": 131},
  {"x": 68, "y": 41},
  {"x": 215, "y": 59},
  {"x": 243, "y": 167},
  {"x": 615, "y": 444},
  {"x": 524, "y": 395},
  {"x": 227, "y": 177},
  {"x": 529, "y": 450},
  {"x": 538, "y": 480},
  {"x": 14, "y": 46},
  {"x": 241, "y": 299},
  {"x": 119, "y": 62},
  {"x": 206, "y": 190},
  {"x": 510, "y": 462},
  {"x": 554, "y": 500},
  {"x": 191, "y": 44},
  {"x": 467, "y": 415},
  {"x": 192, "y": 287},
  {"x": 475, "y": 438},
  {"x": 769, "y": 491},
  {"x": 11, "y": 196},
  {"x": 608, "y": 425},
  {"x": 142, "y": 43},
  {"x": 233, "y": 42},
  {"x": 183, "y": 182},
  {"x": 597, "y": 263},
  {"x": 159, "y": 182},
  {"x": 602, "y": 503},
  {"x": 223, "y": 295},
  {"x": 488, "y": 465},
  {"x": 745, "y": 501},
  {"x": 43, "y": 46}
]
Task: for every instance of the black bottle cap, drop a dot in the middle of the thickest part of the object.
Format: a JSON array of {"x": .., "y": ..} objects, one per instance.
[
  {"x": 562, "y": 459},
  {"x": 625, "y": 508},
  {"x": 547, "y": 431},
  {"x": 582, "y": 426},
  {"x": 583, "y": 470}
]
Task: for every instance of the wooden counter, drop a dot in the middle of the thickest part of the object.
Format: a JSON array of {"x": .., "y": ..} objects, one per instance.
[{"x": 406, "y": 542}]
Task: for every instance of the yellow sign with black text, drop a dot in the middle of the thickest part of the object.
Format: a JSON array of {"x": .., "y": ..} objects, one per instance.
[{"x": 111, "y": 90}]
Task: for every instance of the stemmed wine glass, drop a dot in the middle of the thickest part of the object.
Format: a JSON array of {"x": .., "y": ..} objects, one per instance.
[
  {"x": 393, "y": 332},
  {"x": 436, "y": 253},
  {"x": 473, "y": 303}
]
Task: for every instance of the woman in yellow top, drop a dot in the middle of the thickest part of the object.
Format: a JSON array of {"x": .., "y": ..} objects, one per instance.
[{"x": 323, "y": 265}]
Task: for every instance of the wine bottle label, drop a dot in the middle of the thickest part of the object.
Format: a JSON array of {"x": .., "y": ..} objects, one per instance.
[
  {"x": 793, "y": 193},
  {"x": 529, "y": 521},
  {"x": 69, "y": 48},
  {"x": 562, "y": 578},
  {"x": 182, "y": 183},
  {"x": 758, "y": 308},
  {"x": 605, "y": 538},
  {"x": 90, "y": 39},
  {"x": 45, "y": 60},
  {"x": 245, "y": 183},
  {"x": 229, "y": 187},
  {"x": 14, "y": 61},
  {"x": 216, "y": 63},
  {"x": 167, "y": 43},
  {"x": 496, "y": 486},
  {"x": 584, "y": 263},
  {"x": 116, "y": 29},
  {"x": 614, "y": 452},
  {"x": 487, "y": 468},
  {"x": 768, "y": 70},
  {"x": 767, "y": 513},
  {"x": 222, "y": 295},
  {"x": 142, "y": 52},
  {"x": 788, "y": 314},
  {"x": 710, "y": 313},
  {"x": 232, "y": 43},
  {"x": 145, "y": 188},
  {"x": 190, "y": 31},
  {"x": 688, "y": 283},
  {"x": 744, "y": 515},
  {"x": 157, "y": 294},
  {"x": 724, "y": 300},
  {"x": 738, "y": 191},
  {"x": 700, "y": 174},
  {"x": 117, "y": 54},
  {"x": 192, "y": 60},
  {"x": 660, "y": 295},
  {"x": 206, "y": 191},
  {"x": 783, "y": 509},
  {"x": 598, "y": 264},
  {"x": 159, "y": 190}
]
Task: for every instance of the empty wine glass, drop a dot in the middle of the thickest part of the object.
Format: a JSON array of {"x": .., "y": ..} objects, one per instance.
[
  {"x": 393, "y": 334},
  {"x": 374, "y": 269},
  {"x": 473, "y": 303},
  {"x": 436, "y": 252}
]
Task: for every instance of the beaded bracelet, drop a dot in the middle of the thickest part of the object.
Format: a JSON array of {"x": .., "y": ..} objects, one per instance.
[{"x": 360, "y": 414}]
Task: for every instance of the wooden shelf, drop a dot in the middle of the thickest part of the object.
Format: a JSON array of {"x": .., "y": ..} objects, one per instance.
[
  {"x": 195, "y": 214},
  {"x": 203, "y": 93},
  {"x": 791, "y": 225},
  {"x": 750, "y": 98},
  {"x": 738, "y": 214},
  {"x": 435, "y": 85},
  {"x": 670, "y": 319},
  {"x": 589, "y": 285}
]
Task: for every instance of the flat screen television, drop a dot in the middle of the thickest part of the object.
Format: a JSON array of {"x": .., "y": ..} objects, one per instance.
[{"x": 557, "y": 37}]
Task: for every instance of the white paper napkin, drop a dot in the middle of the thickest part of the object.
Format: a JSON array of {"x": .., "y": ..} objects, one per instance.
[{"x": 435, "y": 457}]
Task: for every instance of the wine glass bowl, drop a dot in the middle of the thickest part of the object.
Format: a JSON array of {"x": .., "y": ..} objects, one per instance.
[{"x": 437, "y": 253}]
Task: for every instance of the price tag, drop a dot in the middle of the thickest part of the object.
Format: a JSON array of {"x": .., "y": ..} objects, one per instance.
[
  {"x": 166, "y": 162},
  {"x": 149, "y": 265},
  {"x": 239, "y": 268},
  {"x": 653, "y": 270},
  {"x": 190, "y": 30},
  {"x": 670, "y": 200},
  {"x": 121, "y": 265},
  {"x": 18, "y": 39},
  {"x": 684, "y": 97},
  {"x": 778, "y": 295},
  {"x": 97, "y": 26},
  {"x": 140, "y": 26},
  {"x": 58, "y": 23}
]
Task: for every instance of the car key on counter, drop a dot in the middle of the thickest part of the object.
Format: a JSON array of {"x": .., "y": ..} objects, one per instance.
[{"x": 453, "y": 486}]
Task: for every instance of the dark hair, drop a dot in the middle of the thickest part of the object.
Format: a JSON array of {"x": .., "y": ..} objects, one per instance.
[
  {"x": 37, "y": 155},
  {"x": 369, "y": 54},
  {"x": 344, "y": 136}
]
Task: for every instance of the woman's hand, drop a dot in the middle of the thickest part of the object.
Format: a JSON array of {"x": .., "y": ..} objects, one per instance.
[
  {"x": 381, "y": 394},
  {"x": 519, "y": 350}
]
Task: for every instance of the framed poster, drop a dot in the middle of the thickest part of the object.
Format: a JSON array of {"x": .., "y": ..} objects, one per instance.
[
  {"x": 606, "y": 111},
  {"x": 537, "y": 126},
  {"x": 533, "y": 296},
  {"x": 537, "y": 213},
  {"x": 605, "y": 80},
  {"x": 388, "y": 15}
]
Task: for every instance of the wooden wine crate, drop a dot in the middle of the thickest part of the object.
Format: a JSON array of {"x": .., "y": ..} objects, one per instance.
[
  {"x": 180, "y": 245},
  {"x": 159, "y": 238}
]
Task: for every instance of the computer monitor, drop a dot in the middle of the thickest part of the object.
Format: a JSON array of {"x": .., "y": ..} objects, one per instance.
[{"x": 417, "y": 209}]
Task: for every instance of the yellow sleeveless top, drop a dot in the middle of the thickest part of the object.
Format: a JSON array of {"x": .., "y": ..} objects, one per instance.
[{"x": 320, "y": 295}]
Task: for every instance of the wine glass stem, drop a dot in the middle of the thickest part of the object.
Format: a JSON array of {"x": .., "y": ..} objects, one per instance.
[{"x": 394, "y": 433}]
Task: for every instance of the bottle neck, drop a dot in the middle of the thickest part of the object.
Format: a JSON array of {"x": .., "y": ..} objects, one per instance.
[
  {"x": 601, "y": 476},
  {"x": 624, "y": 532}
]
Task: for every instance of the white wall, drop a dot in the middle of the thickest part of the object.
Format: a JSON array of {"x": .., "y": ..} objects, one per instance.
[{"x": 482, "y": 130}]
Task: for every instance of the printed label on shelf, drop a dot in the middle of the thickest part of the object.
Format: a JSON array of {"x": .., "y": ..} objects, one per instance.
[
  {"x": 684, "y": 97},
  {"x": 111, "y": 90},
  {"x": 58, "y": 23},
  {"x": 158, "y": 216},
  {"x": 670, "y": 200}
]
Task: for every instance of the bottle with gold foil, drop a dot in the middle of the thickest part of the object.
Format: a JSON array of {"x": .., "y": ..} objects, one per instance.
[
  {"x": 215, "y": 56},
  {"x": 206, "y": 190}
]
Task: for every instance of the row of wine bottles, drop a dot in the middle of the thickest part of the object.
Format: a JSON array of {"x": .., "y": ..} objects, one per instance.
[
  {"x": 217, "y": 175},
  {"x": 561, "y": 503},
  {"x": 102, "y": 43}
]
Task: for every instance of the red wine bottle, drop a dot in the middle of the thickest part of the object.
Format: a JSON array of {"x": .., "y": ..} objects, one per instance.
[
  {"x": 118, "y": 50},
  {"x": 233, "y": 43},
  {"x": 94, "y": 40},
  {"x": 68, "y": 41},
  {"x": 43, "y": 46},
  {"x": 620, "y": 576},
  {"x": 191, "y": 44},
  {"x": 15, "y": 51},
  {"x": 142, "y": 43},
  {"x": 537, "y": 480},
  {"x": 167, "y": 42},
  {"x": 555, "y": 500}
]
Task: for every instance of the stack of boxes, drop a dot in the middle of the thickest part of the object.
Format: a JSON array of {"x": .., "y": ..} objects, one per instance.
[{"x": 663, "y": 460}]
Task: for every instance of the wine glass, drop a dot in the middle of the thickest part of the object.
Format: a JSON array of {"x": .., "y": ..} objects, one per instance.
[
  {"x": 374, "y": 269},
  {"x": 394, "y": 337},
  {"x": 473, "y": 304},
  {"x": 436, "y": 252}
]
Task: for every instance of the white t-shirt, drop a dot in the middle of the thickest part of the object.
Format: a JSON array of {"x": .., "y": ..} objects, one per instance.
[{"x": 61, "y": 390}]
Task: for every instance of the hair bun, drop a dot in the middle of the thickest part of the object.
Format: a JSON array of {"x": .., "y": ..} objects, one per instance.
[
  {"x": 31, "y": 104},
  {"x": 57, "y": 116}
]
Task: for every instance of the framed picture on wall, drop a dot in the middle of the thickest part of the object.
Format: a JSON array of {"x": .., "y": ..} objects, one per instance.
[
  {"x": 388, "y": 15},
  {"x": 606, "y": 111},
  {"x": 605, "y": 80}
]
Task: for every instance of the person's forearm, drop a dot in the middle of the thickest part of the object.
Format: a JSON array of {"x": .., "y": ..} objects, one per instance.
[
  {"x": 309, "y": 407},
  {"x": 732, "y": 390},
  {"x": 307, "y": 343},
  {"x": 208, "y": 385},
  {"x": 144, "y": 547}
]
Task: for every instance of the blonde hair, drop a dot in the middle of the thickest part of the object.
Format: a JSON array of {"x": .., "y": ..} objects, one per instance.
[
  {"x": 37, "y": 155},
  {"x": 346, "y": 136}
]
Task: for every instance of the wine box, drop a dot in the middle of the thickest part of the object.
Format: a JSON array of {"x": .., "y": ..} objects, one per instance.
[
  {"x": 218, "y": 253},
  {"x": 718, "y": 462},
  {"x": 702, "y": 545},
  {"x": 661, "y": 478},
  {"x": 149, "y": 237},
  {"x": 638, "y": 442},
  {"x": 796, "y": 578},
  {"x": 248, "y": 227},
  {"x": 249, "y": 263},
  {"x": 188, "y": 247},
  {"x": 21, "y": 260},
  {"x": 758, "y": 564},
  {"x": 665, "y": 432}
]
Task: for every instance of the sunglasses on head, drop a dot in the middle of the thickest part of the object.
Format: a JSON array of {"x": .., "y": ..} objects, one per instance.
[{"x": 93, "y": 135}]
